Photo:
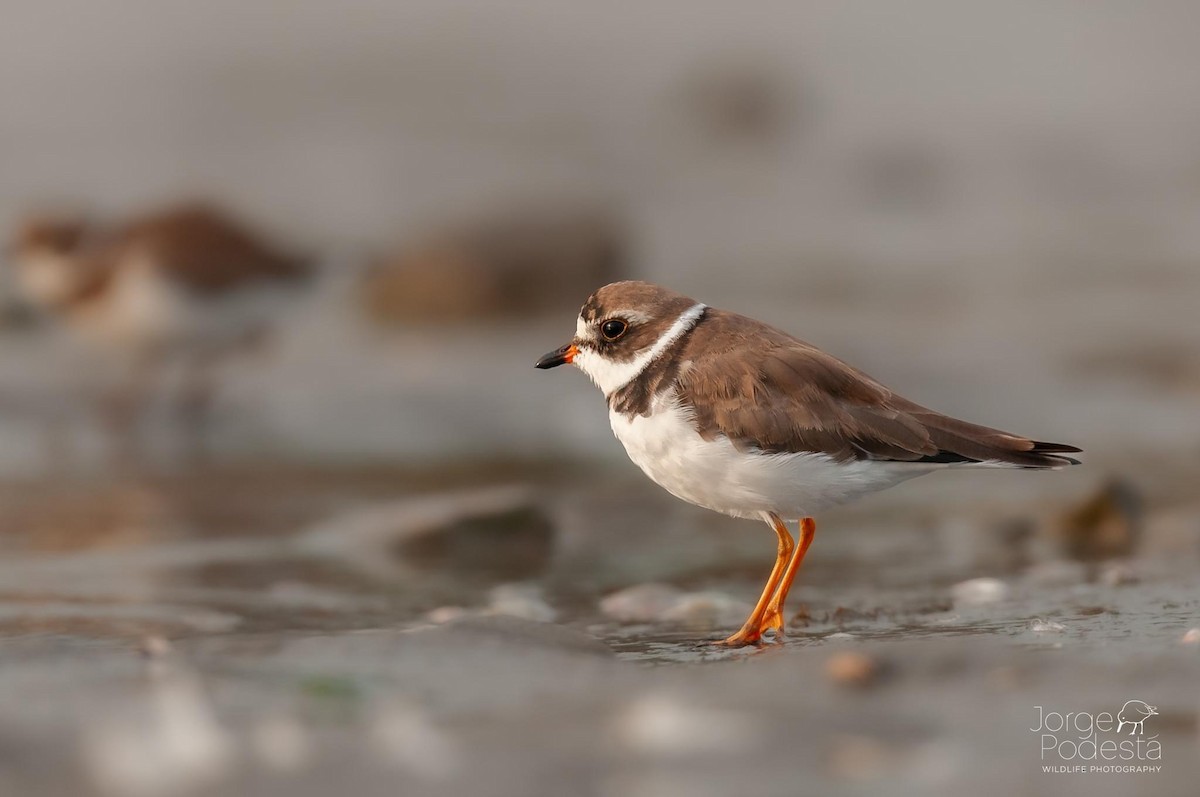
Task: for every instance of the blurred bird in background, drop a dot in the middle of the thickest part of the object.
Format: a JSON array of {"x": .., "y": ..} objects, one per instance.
[{"x": 187, "y": 285}]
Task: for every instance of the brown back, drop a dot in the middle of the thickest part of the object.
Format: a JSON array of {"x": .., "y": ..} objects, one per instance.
[
  {"x": 767, "y": 391},
  {"x": 205, "y": 250}
]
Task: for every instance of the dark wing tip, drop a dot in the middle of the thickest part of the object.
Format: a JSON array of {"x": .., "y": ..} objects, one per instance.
[
  {"x": 1038, "y": 455},
  {"x": 1040, "y": 447},
  {"x": 1052, "y": 452}
]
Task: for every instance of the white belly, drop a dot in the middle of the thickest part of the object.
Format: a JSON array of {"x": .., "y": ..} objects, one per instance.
[
  {"x": 715, "y": 475},
  {"x": 145, "y": 309}
]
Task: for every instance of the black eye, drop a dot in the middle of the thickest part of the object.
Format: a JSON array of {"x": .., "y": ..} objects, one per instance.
[{"x": 613, "y": 328}]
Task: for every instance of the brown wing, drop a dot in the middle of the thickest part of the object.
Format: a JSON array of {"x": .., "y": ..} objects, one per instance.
[
  {"x": 767, "y": 391},
  {"x": 208, "y": 251}
]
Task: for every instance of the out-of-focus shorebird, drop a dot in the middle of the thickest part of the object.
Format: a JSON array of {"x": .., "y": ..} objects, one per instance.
[{"x": 186, "y": 285}]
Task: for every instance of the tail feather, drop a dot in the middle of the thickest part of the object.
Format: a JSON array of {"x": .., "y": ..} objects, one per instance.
[{"x": 962, "y": 442}]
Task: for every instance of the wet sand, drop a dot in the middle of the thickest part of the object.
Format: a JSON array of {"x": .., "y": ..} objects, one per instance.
[{"x": 282, "y": 629}]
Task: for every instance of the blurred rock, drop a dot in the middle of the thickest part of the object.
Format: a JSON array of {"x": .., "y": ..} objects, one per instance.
[
  {"x": 1191, "y": 637},
  {"x": 979, "y": 592},
  {"x": 495, "y": 534},
  {"x": 512, "y": 266},
  {"x": 1106, "y": 525},
  {"x": 642, "y": 603},
  {"x": 851, "y": 668},
  {"x": 521, "y": 600},
  {"x": 506, "y": 544},
  {"x": 710, "y": 609}
]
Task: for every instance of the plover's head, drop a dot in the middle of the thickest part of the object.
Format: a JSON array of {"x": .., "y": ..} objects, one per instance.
[
  {"x": 45, "y": 257},
  {"x": 622, "y": 328}
]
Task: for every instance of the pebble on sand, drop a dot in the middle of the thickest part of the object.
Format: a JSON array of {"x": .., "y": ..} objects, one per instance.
[
  {"x": 979, "y": 592},
  {"x": 1191, "y": 637}
]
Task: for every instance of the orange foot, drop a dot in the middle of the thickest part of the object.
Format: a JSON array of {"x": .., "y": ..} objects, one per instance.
[
  {"x": 772, "y": 620},
  {"x": 741, "y": 639}
]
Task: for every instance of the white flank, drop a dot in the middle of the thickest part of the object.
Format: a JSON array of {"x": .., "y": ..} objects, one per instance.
[
  {"x": 609, "y": 375},
  {"x": 715, "y": 475},
  {"x": 146, "y": 309}
]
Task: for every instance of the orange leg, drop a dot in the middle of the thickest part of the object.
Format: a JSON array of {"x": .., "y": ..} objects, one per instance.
[
  {"x": 751, "y": 630},
  {"x": 773, "y": 618}
]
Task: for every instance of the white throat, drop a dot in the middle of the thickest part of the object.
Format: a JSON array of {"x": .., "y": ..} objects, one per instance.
[{"x": 609, "y": 375}]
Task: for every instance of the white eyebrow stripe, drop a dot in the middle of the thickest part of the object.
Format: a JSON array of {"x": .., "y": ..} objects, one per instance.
[
  {"x": 632, "y": 316},
  {"x": 610, "y": 376}
]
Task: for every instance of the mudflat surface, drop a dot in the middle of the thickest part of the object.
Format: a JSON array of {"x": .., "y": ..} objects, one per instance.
[
  {"x": 280, "y": 630},
  {"x": 991, "y": 209}
]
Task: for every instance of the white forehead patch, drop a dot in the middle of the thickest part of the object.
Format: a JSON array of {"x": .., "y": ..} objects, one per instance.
[
  {"x": 609, "y": 375},
  {"x": 582, "y": 330}
]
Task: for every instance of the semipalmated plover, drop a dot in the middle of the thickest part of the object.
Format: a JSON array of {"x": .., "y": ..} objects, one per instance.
[
  {"x": 736, "y": 416},
  {"x": 187, "y": 283}
]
